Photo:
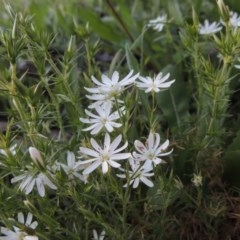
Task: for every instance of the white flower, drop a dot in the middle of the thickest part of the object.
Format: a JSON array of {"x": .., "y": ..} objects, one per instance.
[
  {"x": 209, "y": 28},
  {"x": 12, "y": 150},
  {"x": 154, "y": 84},
  {"x": 234, "y": 20},
  {"x": 109, "y": 88},
  {"x": 104, "y": 119},
  {"x": 151, "y": 151},
  {"x": 15, "y": 234},
  {"x": 29, "y": 179},
  {"x": 138, "y": 174},
  {"x": 158, "y": 23},
  {"x": 100, "y": 237},
  {"x": 18, "y": 234},
  {"x": 72, "y": 168},
  {"x": 197, "y": 180},
  {"x": 108, "y": 155}
]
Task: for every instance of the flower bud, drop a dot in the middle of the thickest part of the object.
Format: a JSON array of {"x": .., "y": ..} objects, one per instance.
[
  {"x": 195, "y": 17},
  {"x": 14, "y": 28},
  {"x": 71, "y": 44},
  {"x": 36, "y": 157},
  {"x": 224, "y": 11}
]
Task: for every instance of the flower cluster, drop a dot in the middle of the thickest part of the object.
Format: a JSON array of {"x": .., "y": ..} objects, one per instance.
[
  {"x": 143, "y": 161},
  {"x": 105, "y": 95}
]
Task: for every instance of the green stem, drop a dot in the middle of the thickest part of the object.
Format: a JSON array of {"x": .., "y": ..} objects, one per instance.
[
  {"x": 153, "y": 108},
  {"x": 22, "y": 112},
  {"x": 56, "y": 105},
  {"x": 121, "y": 22}
]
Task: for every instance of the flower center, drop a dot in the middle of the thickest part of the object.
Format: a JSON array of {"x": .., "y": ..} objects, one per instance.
[
  {"x": 105, "y": 157},
  {"x": 115, "y": 90},
  {"x": 150, "y": 155},
  {"x": 104, "y": 120}
]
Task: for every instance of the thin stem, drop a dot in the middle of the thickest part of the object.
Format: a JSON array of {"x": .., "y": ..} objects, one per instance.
[
  {"x": 121, "y": 22},
  {"x": 153, "y": 108}
]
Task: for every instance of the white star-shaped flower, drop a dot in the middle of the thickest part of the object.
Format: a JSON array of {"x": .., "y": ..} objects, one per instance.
[
  {"x": 100, "y": 237},
  {"x": 137, "y": 174},
  {"x": 109, "y": 88},
  {"x": 105, "y": 119},
  {"x": 31, "y": 177},
  {"x": 29, "y": 180},
  {"x": 155, "y": 84},
  {"x": 234, "y": 20},
  {"x": 17, "y": 233},
  {"x": 105, "y": 156},
  {"x": 158, "y": 23},
  {"x": 209, "y": 28},
  {"x": 72, "y": 168},
  {"x": 152, "y": 151}
]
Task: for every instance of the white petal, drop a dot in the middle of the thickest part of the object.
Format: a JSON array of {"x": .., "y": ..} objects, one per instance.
[
  {"x": 92, "y": 167},
  {"x": 18, "y": 178},
  {"x": 120, "y": 156},
  {"x": 91, "y": 114},
  {"x": 114, "y": 164},
  {"x": 146, "y": 181},
  {"x": 21, "y": 217},
  {"x": 121, "y": 175},
  {"x": 140, "y": 146},
  {"x": 25, "y": 183},
  {"x": 30, "y": 238},
  {"x": 115, "y": 77},
  {"x": 148, "y": 165},
  {"x": 29, "y": 219},
  {"x": 33, "y": 225},
  {"x": 96, "y": 81},
  {"x": 165, "y": 145},
  {"x": 88, "y": 151},
  {"x": 167, "y": 84},
  {"x": 157, "y": 141},
  {"x": 97, "y": 128},
  {"x": 150, "y": 141},
  {"x": 40, "y": 187},
  {"x": 92, "y": 90},
  {"x": 120, "y": 149},
  {"x": 163, "y": 79},
  {"x": 30, "y": 186},
  {"x": 107, "y": 141},
  {"x": 136, "y": 183},
  {"x": 70, "y": 158},
  {"x": 106, "y": 80},
  {"x": 109, "y": 127},
  {"x": 47, "y": 182},
  {"x": 104, "y": 167}
]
